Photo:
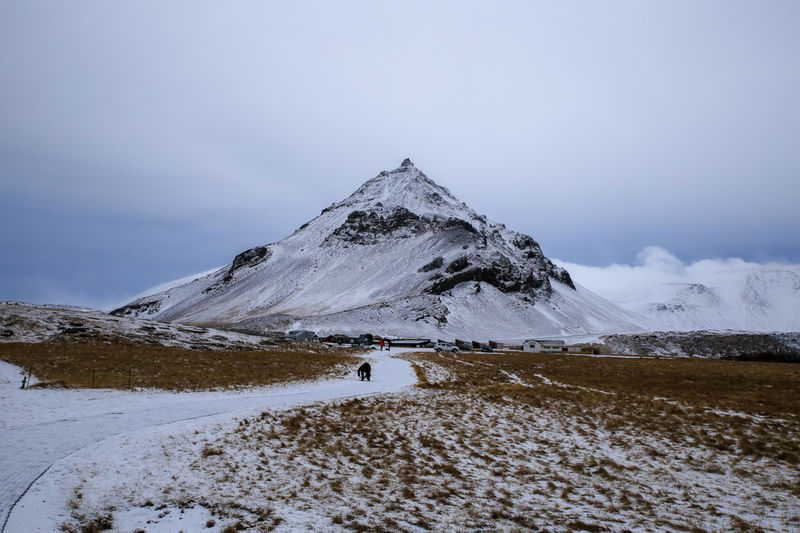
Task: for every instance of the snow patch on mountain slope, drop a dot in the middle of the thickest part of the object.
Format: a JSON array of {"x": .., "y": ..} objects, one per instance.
[{"x": 469, "y": 313}]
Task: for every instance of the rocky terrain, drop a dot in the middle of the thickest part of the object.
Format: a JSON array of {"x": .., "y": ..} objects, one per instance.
[
  {"x": 21, "y": 322},
  {"x": 783, "y": 347}
]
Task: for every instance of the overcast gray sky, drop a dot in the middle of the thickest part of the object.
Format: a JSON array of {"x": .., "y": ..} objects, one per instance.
[{"x": 146, "y": 141}]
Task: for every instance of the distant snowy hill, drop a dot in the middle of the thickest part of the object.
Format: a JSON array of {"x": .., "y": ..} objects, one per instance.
[
  {"x": 761, "y": 300},
  {"x": 710, "y": 294},
  {"x": 399, "y": 256}
]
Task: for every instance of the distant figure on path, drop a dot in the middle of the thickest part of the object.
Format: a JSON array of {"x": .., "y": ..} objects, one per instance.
[
  {"x": 388, "y": 345},
  {"x": 24, "y": 381},
  {"x": 381, "y": 343},
  {"x": 364, "y": 371}
]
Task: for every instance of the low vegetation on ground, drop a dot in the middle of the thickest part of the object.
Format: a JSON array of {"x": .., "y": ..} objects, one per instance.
[
  {"x": 753, "y": 387},
  {"x": 125, "y": 364},
  {"x": 506, "y": 442}
]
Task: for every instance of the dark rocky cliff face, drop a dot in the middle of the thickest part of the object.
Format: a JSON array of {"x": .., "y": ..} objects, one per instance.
[
  {"x": 526, "y": 271},
  {"x": 531, "y": 278},
  {"x": 136, "y": 308},
  {"x": 248, "y": 258},
  {"x": 368, "y": 227},
  {"x": 379, "y": 224},
  {"x": 433, "y": 265}
]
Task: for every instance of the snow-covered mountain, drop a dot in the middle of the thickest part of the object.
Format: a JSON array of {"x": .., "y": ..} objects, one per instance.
[
  {"x": 399, "y": 256},
  {"x": 761, "y": 298},
  {"x": 709, "y": 294}
]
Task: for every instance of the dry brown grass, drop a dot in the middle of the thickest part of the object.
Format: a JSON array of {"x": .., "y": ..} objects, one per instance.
[
  {"x": 750, "y": 409},
  {"x": 499, "y": 458},
  {"x": 762, "y": 388},
  {"x": 117, "y": 364},
  {"x": 488, "y": 444}
]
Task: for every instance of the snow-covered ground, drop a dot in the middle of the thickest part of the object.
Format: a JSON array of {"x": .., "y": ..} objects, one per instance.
[
  {"x": 21, "y": 322},
  {"x": 520, "y": 451},
  {"x": 50, "y": 436}
]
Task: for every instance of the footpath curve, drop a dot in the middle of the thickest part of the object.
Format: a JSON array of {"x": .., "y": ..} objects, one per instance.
[{"x": 41, "y": 427}]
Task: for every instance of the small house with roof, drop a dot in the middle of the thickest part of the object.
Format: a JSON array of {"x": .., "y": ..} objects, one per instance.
[
  {"x": 300, "y": 335},
  {"x": 546, "y": 345}
]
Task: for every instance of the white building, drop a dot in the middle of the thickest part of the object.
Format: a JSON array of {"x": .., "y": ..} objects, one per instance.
[{"x": 541, "y": 345}]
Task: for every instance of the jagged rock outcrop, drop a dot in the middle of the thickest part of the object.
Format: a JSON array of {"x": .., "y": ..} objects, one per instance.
[
  {"x": 248, "y": 258},
  {"x": 362, "y": 227}
]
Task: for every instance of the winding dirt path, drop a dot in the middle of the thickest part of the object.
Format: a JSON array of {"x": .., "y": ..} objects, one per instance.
[{"x": 40, "y": 427}]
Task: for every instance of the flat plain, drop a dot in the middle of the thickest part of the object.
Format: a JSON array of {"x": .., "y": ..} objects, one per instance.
[{"x": 502, "y": 441}]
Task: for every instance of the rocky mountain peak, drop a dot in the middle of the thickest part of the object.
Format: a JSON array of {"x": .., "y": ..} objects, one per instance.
[
  {"x": 405, "y": 204},
  {"x": 399, "y": 238},
  {"x": 408, "y": 187}
]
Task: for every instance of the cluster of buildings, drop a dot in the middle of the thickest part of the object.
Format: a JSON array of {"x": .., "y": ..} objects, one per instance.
[{"x": 367, "y": 339}]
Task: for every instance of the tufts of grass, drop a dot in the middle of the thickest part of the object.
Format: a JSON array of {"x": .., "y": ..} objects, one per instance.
[
  {"x": 95, "y": 524},
  {"x": 496, "y": 447},
  {"x": 122, "y": 363},
  {"x": 208, "y": 451},
  {"x": 751, "y": 387}
]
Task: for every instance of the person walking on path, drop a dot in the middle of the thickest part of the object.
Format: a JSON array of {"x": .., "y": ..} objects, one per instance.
[
  {"x": 381, "y": 343},
  {"x": 24, "y": 381}
]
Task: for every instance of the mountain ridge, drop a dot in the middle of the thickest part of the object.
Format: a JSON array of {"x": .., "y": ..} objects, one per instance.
[{"x": 760, "y": 300}]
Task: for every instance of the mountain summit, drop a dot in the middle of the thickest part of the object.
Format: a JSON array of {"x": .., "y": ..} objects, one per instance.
[{"x": 403, "y": 256}]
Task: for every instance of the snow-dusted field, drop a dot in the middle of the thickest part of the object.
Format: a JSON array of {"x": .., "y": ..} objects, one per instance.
[
  {"x": 21, "y": 322},
  {"x": 63, "y": 431},
  {"x": 490, "y": 444}
]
